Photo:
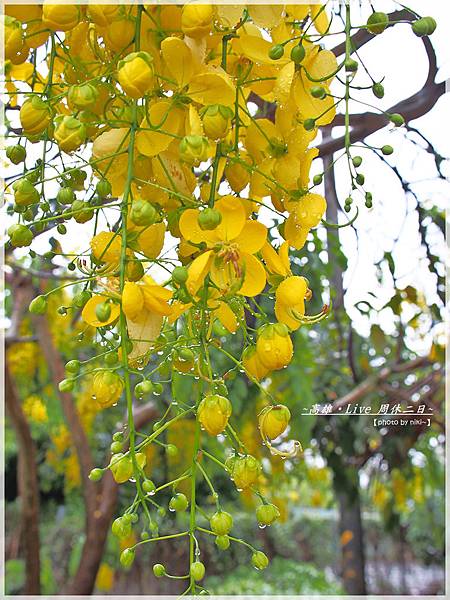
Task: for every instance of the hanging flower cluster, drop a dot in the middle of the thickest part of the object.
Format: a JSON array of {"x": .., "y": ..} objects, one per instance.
[{"x": 191, "y": 129}]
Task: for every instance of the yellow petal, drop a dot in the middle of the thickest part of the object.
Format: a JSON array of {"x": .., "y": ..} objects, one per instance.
[
  {"x": 266, "y": 15},
  {"x": 178, "y": 60},
  {"x": 212, "y": 87},
  {"x": 320, "y": 63},
  {"x": 320, "y": 18},
  {"x": 294, "y": 233},
  {"x": 252, "y": 237},
  {"x": 259, "y": 133},
  {"x": 132, "y": 300},
  {"x": 156, "y": 298},
  {"x": 275, "y": 262},
  {"x": 189, "y": 227},
  {"x": 193, "y": 122},
  {"x": 151, "y": 240},
  {"x": 305, "y": 166},
  {"x": 142, "y": 333},
  {"x": 198, "y": 270},
  {"x": 254, "y": 277},
  {"x": 233, "y": 219},
  {"x": 90, "y": 317},
  {"x": 226, "y": 316},
  {"x": 323, "y": 111},
  {"x": 309, "y": 209},
  {"x": 165, "y": 120},
  {"x": 283, "y": 316},
  {"x": 257, "y": 49}
]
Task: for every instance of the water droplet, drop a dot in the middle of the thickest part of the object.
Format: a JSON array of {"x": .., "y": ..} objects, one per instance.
[
  {"x": 171, "y": 509},
  {"x": 261, "y": 525},
  {"x": 239, "y": 489}
]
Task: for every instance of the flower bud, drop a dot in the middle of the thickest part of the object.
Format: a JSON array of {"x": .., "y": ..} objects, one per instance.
[
  {"x": 197, "y": 570},
  {"x": 148, "y": 486},
  {"x": 25, "y": 194},
  {"x": 252, "y": 365},
  {"x": 245, "y": 471},
  {"x": 274, "y": 346},
  {"x": 66, "y": 385},
  {"x": 196, "y": 19},
  {"x": 121, "y": 528},
  {"x": 60, "y": 17},
  {"x": 178, "y": 503},
  {"x": 276, "y": 52},
  {"x": 143, "y": 213},
  {"x": 70, "y": 133},
  {"x": 20, "y": 236},
  {"x": 72, "y": 367},
  {"x": 309, "y": 124},
  {"x": 223, "y": 542},
  {"x": 38, "y": 305},
  {"x": 298, "y": 54},
  {"x": 107, "y": 387},
  {"x": 237, "y": 175},
  {"x": 96, "y": 474},
  {"x": 103, "y": 188},
  {"x": 397, "y": 119},
  {"x": 266, "y": 514},
  {"x": 143, "y": 388},
  {"x": 424, "y": 26},
  {"x": 216, "y": 120},
  {"x": 260, "y": 560},
  {"x": 127, "y": 558},
  {"x": 378, "y": 90},
  {"x": 377, "y": 22},
  {"x": 65, "y": 195},
  {"x": 180, "y": 275},
  {"x": 13, "y": 37},
  {"x": 121, "y": 466},
  {"x": 159, "y": 570},
  {"x": 103, "y": 311},
  {"x": 387, "y": 150},
  {"x": 16, "y": 154},
  {"x": 273, "y": 421},
  {"x": 221, "y": 522},
  {"x": 35, "y": 116},
  {"x": 82, "y": 211},
  {"x": 213, "y": 413},
  {"x": 82, "y": 96},
  {"x": 194, "y": 149},
  {"x": 209, "y": 219},
  {"x": 135, "y": 74}
]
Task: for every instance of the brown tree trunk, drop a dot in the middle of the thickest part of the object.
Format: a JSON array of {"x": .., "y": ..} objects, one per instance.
[
  {"x": 28, "y": 488},
  {"x": 351, "y": 538}
]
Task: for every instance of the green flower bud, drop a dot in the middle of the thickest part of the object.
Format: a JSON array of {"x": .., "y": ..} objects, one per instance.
[
  {"x": 96, "y": 474},
  {"x": 16, "y": 154},
  {"x": 148, "y": 486},
  {"x": 309, "y": 124},
  {"x": 111, "y": 359},
  {"x": 82, "y": 211},
  {"x": 317, "y": 179},
  {"x": 197, "y": 570},
  {"x": 121, "y": 528},
  {"x": 178, "y": 503},
  {"x": 103, "y": 188},
  {"x": 378, "y": 90},
  {"x": 221, "y": 522},
  {"x": 318, "y": 91},
  {"x": 298, "y": 54},
  {"x": 424, "y": 26},
  {"x": 127, "y": 558},
  {"x": 66, "y": 385},
  {"x": 266, "y": 514},
  {"x": 143, "y": 388},
  {"x": 260, "y": 560},
  {"x": 38, "y": 305},
  {"x": 223, "y": 542},
  {"x": 25, "y": 194},
  {"x": 180, "y": 275},
  {"x": 80, "y": 299},
  {"x": 73, "y": 367},
  {"x": 65, "y": 195},
  {"x": 351, "y": 65},
  {"x": 377, "y": 22},
  {"x": 143, "y": 213},
  {"x": 103, "y": 311},
  {"x": 116, "y": 447},
  {"x": 357, "y": 161},
  {"x": 387, "y": 150},
  {"x": 171, "y": 450},
  {"x": 276, "y": 52},
  {"x": 159, "y": 570},
  {"x": 360, "y": 179},
  {"x": 20, "y": 236},
  {"x": 397, "y": 119},
  {"x": 209, "y": 219}
]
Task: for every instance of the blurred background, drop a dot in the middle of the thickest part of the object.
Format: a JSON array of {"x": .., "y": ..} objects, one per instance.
[{"x": 363, "y": 508}]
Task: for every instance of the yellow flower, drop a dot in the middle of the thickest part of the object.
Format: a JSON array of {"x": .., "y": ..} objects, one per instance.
[
  {"x": 194, "y": 149},
  {"x": 274, "y": 346},
  {"x": 290, "y": 301},
  {"x": 35, "y": 409},
  {"x": 252, "y": 364},
  {"x": 102, "y": 14},
  {"x": 305, "y": 213},
  {"x": 107, "y": 388},
  {"x": 60, "y": 17},
  {"x": 105, "y": 575},
  {"x": 196, "y": 19},
  {"x": 245, "y": 471},
  {"x": 70, "y": 133},
  {"x": 230, "y": 259},
  {"x": 273, "y": 421},
  {"x": 13, "y": 37},
  {"x": 135, "y": 74},
  {"x": 35, "y": 116},
  {"x": 82, "y": 96},
  {"x": 145, "y": 296},
  {"x": 213, "y": 413},
  {"x": 216, "y": 120},
  {"x": 106, "y": 247},
  {"x": 121, "y": 465}
]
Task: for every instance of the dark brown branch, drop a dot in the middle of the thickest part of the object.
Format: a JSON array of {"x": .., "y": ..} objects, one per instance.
[{"x": 28, "y": 489}]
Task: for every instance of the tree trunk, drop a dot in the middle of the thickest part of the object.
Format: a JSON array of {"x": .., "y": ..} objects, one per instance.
[
  {"x": 351, "y": 537},
  {"x": 28, "y": 488}
]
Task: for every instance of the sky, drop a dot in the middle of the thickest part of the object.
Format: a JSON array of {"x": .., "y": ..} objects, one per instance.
[{"x": 390, "y": 225}]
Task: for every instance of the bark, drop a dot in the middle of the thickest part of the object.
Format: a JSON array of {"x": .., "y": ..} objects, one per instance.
[
  {"x": 350, "y": 528},
  {"x": 27, "y": 487}
]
